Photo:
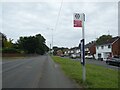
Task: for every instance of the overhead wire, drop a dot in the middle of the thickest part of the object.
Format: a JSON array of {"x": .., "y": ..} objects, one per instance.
[
  {"x": 58, "y": 15},
  {"x": 57, "y": 21}
]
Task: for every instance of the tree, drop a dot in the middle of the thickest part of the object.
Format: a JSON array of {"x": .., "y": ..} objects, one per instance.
[
  {"x": 40, "y": 41},
  {"x": 103, "y": 38},
  {"x": 8, "y": 43},
  {"x": 33, "y": 44},
  {"x": 5, "y": 42},
  {"x": 4, "y": 39},
  {"x": 55, "y": 48}
]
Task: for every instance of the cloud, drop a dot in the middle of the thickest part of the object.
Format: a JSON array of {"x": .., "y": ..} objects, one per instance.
[
  {"x": 98, "y": 21},
  {"x": 25, "y": 19}
]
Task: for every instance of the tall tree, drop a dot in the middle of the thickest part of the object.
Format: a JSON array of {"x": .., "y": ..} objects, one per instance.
[
  {"x": 5, "y": 42},
  {"x": 103, "y": 38},
  {"x": 4, "y": 39},
  {"x": 8, "y": 43},
  {"x": 33, "y": 44}
]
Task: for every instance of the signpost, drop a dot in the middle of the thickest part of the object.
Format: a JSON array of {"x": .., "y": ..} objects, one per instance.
[{"x": 79, "y": 22}]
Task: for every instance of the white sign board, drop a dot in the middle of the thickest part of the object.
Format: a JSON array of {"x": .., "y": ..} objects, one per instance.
[
  {"x": 78, "y": 19},
  {"x": 78, "y": 16}
]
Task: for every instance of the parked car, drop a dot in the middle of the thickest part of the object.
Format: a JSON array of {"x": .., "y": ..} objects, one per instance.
[
  {"x": 113, "y": 61},
  {"x": 62, "y": 55},
  {"x": 89, "y": 57},
  {"x": 78, "y": 55},
  {"x": 73, "y": 56}
]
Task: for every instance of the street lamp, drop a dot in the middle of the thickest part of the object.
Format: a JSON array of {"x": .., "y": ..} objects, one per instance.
[{"x": 52, "y": 39}]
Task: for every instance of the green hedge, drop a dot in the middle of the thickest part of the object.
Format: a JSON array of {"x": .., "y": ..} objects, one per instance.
[{"x": 10, "y": 50}]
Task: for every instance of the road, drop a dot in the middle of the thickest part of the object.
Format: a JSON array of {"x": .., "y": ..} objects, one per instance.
[
  {"x": 99, "y": 63},
  {"x": 34, "y": 72}
]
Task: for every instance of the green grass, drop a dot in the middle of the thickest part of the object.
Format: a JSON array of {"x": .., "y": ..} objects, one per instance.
[{"x": 96, "y": 76}]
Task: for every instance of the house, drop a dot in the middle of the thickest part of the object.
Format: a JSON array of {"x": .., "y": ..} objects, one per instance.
[
  {"x": 71, "y": 51},
  {"x": 66, "y": 52},
  {"x": 59, "y": 52},
  {"x": 108, "y": 49},
  {"x": 75, "y": 51},
  {"x": 90, "y": 48}
]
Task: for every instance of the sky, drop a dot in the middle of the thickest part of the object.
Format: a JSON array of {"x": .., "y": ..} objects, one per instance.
[{"x": 56, "y": 19}]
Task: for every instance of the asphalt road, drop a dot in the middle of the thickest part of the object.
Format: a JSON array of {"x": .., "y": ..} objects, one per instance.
[
  {"x": 99, "y": 63},
  {"x": 34, "y": 72}
]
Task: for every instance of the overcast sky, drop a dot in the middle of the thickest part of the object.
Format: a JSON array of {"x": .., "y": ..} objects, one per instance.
[{"x": 31, "y": 18}]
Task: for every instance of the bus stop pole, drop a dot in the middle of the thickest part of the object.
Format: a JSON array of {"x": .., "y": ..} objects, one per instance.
[{"x": 83, "y": 66}]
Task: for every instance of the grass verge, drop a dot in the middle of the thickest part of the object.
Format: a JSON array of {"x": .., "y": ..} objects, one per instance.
[{"x": 96, "y": 76}]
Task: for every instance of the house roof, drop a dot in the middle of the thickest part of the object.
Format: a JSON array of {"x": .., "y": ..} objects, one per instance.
[
  {"x": 74, "y": 48},
  {"x": 110, "y": 41},
  {"x": 89, "y": 44}
]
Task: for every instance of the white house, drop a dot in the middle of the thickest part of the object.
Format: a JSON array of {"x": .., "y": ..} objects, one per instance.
[
  {"x": 77, "y": 50},
  {"x": 103, "y": 51},
  {"x": 108, "y": 49}
]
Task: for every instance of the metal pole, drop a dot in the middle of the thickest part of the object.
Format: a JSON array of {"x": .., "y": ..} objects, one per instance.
[
  {"x": 52, "y": 41},
  {"x": 83, "y": 66},
  {"x": 50, "y": 50}
]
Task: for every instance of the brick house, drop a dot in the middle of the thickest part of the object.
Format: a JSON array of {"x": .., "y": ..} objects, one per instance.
[
  {"x": 90, "y": 48},
  {"x": 59, "y": 52}
]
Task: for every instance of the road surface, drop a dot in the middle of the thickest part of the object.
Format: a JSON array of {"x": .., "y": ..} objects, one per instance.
[
  {"x": 99, "y": 63},
  {"x": 34, "y": 72}
]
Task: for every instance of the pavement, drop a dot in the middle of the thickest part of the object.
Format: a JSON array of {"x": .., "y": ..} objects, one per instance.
[{"x": 34, "y": 72}]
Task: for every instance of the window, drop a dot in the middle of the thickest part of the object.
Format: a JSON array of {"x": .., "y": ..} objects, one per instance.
[
  {"x": 97, "y": 47},
  {"x": 109, "y": 46},
  {"x": 102, "y": 47},
  {"x": 99, "y": 55}
]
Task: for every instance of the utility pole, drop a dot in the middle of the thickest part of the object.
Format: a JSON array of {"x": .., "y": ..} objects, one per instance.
[
  {"x": 50, "y": 50},
  {"x": 52, "y": 41}
]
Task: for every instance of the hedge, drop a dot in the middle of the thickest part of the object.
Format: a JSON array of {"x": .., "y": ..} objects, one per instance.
[{"x": 10, "y": 50}]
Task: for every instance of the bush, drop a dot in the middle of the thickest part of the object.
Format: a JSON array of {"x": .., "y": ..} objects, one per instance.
[
  {"x": 40, "y": 51},
  {"x": 10, "y": 50}
]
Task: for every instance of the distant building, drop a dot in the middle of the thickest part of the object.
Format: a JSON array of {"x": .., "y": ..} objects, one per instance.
[
  {"x": 90, "y": 48},
  {"x": 74, "y": 50},
  {"x": 66, "y": 52},
  {"x": 108, "y": 49},
  {"x": 59, "y": 52}
]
